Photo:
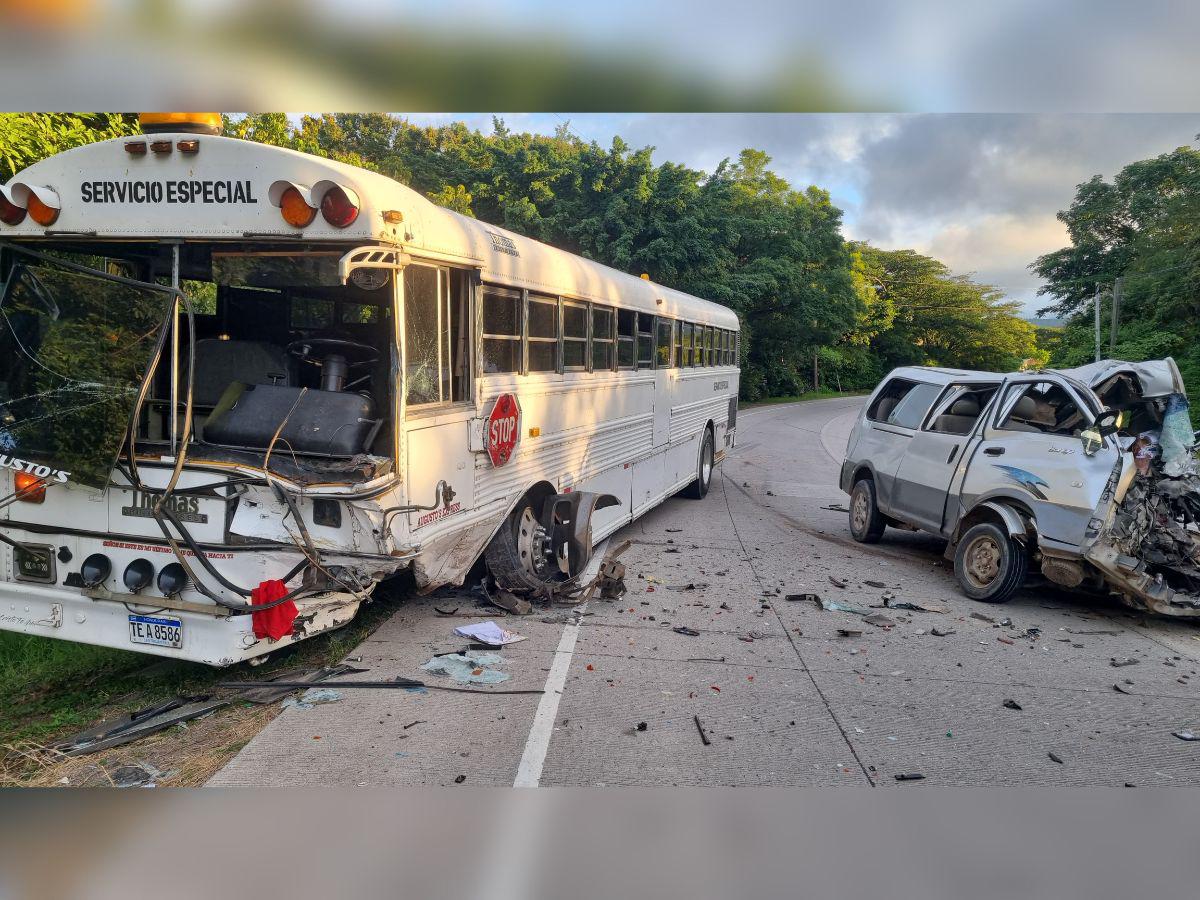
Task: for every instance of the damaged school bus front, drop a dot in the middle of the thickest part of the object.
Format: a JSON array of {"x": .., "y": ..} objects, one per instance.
[{"x": 1147, "y": 539}]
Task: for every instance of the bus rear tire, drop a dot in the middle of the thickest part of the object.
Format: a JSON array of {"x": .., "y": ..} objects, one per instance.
[
  {"x": 698, "y": 489},
  {"x": 516, "y": 554}
]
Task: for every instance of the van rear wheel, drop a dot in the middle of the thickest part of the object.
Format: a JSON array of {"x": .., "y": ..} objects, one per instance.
[
  {"x": 866, "y": 521},
  {"x": 989, "y": 565}
]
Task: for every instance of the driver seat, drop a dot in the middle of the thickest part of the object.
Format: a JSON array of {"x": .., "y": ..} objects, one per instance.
[{"x": 322, "y": 423}]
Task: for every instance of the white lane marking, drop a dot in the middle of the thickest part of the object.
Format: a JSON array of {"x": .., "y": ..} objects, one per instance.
[{"x": 529, "y": 772}]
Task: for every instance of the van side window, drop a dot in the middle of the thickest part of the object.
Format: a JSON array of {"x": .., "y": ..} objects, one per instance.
[
  {"x": 904, "y": 403},
  {"x": 959, "y": 412},
  {"x": 1043, "y": 407}
]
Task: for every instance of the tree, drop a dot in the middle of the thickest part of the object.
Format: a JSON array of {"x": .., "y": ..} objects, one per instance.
[{"x": 26, "y": 138}]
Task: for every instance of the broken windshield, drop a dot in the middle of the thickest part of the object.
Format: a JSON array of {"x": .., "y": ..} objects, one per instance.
[{"x": 74, "y": 349}]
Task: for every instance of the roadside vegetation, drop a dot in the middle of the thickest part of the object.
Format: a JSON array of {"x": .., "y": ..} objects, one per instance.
[{"x": 1142, "y": 227}]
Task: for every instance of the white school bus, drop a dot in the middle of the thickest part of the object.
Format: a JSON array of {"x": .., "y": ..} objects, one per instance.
[{"x": 241, "y": 385}]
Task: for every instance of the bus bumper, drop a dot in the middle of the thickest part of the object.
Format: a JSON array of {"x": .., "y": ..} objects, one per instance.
[{"x": 65, "y": 614}]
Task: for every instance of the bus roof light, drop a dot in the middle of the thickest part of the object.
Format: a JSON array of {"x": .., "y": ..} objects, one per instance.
[
  {"x": 339, "y": 206},
  {"x": 180, "y": 123}
]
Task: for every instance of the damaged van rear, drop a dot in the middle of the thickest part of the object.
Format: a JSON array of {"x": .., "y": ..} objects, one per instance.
[{"x": 1087, "y": 476}]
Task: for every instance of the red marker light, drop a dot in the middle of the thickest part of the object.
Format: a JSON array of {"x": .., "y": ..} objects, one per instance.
[
  {"x": 339, "y": 207},
  {"x": 10, "y": 213}
]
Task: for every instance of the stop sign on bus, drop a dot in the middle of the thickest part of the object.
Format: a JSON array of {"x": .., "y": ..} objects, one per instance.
[{"x": 503, "y": 429}]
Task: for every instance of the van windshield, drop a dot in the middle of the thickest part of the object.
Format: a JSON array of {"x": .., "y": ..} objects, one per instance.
[{"x": 74, "y": 349}]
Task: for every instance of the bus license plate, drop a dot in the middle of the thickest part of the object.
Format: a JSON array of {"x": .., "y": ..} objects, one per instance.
[{"x": 162, "y": 631}]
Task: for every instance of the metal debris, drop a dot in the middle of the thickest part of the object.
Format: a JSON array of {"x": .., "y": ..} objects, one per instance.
[
  {"x": 1117, "y": 663},
  {"x": 1186, "y": 735},
  {"x": 139, "y": 724},
  {"x": 1054, "y": 757},
  {"x": 700, "y": 728},
  {"x": 910, "y": 776},
  {"x": 1011, "y": 704}
]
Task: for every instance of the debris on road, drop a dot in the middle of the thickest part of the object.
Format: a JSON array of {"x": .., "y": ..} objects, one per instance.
[
  {"x": 683, "y": 629},
  {"x": 879, "y": 621},
  {"x": 139, "y": 724},
  {"x": 139, "y": 774},
  {"x": 805, "y": 598},
  {"x": 489, "y": 633},
  {"x": 700, "y": 728},
  {"x": 312, "y": 697},
  {"x": 445, "y": 612},
  {"x": 1054, "y": 757},
  {"x": 849, "y": 632},
  {"x": 411, "y": 724},
  {"x": 460, "y": 779},
  {"x": 1118, "y": 662},
  {"x": 642, "y": 726},
  {"x": 1119, "y": 689},
  {"x": 938, "y": 632},
  {"x": 839, "y": 582},
  {"x": 1186, "y": 735},
  {"x": 982, "y": 618},
  {"x": 910, "y": 776},
  {"x": 510, "y": 602},
  {"x": 469, "y": 667},
  {"x": 891, "y": 603},
  {"x": 1011, "y": 704},
  {"x": 875, "y": 584}
]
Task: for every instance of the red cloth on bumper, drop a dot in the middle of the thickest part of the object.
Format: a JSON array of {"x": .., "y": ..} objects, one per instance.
[{"x": 276, "y": 621}]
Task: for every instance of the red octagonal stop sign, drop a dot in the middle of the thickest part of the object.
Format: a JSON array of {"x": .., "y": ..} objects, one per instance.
[{"x": 503, "y": 429}]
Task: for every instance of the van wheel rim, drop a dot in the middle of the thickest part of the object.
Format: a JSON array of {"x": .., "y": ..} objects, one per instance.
[
  {"x": 532, "y": 541},
  {"x": 859, "y": 512},
  {"x": 983, "y": 561}
]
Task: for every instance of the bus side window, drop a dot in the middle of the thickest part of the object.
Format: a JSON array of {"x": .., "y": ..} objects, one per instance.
[
  {"x": 678, "y": 361},
  {"x": 645, "y": 342},
  {"x": 626, "y": 339},
  {"x": 425, "y": 290},
  {"x": 686, "y": 359},
  {"x": 501, "y": 331},
  {"x": 709, "y": 334},
  {"x": 575, "y": 335},
  {"x": 603, "y": 358},
  {"x": 543, "y": 334},
  {"x": 663, "y": 349}
]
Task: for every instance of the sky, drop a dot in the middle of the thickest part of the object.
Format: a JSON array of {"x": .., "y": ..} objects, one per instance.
[{"x": 980, "y": 191}]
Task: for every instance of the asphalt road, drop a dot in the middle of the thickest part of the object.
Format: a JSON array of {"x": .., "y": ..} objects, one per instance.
[{"x": 782, "y": 697}]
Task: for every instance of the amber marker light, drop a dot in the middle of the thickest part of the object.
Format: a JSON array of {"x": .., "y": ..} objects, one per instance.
[
  {"x": 295, "y": 209},
  {"x": 30, "y": 488},
  {"x": 40, "y": 212}
]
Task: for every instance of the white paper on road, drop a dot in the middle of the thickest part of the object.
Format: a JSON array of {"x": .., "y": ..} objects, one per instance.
[{"x": 489, "y": 633}]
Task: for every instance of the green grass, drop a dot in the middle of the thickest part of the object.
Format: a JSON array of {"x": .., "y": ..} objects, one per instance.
[
  {"x": 809, "y": 395},
  {"x": 51, "y": 688}
]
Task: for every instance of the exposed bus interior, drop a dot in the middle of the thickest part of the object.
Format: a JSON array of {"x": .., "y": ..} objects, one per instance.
[{"x": 288, "y": 360}]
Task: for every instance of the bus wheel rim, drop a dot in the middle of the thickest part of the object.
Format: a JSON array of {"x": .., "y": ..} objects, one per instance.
[{"x": 531, "y": 544}]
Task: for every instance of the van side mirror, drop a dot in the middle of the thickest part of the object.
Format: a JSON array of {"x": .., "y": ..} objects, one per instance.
[{"x": 1108, "y": 423}]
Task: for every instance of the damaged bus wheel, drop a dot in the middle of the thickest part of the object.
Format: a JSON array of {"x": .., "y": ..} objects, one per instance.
[
  {"x": 990, "y": 565},
  {"x": 520, "y": 556},
  {"x": 698, "y": 489}
]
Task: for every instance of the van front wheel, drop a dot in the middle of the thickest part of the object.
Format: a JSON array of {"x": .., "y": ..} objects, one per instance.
[{"x": 989, "y": 565}]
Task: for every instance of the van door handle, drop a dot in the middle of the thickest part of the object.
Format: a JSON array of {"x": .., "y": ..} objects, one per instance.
[
  {"x": 994, "y": 451},
  {"x": 953, "y": 453}
]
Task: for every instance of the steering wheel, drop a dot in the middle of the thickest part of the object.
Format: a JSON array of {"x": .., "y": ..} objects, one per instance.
[{"x": 316, "y": 350}]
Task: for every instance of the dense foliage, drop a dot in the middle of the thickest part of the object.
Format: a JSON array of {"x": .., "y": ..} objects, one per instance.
[
  {"x": 809, "y": 300},
  {"x": 1142, "y": 227}
]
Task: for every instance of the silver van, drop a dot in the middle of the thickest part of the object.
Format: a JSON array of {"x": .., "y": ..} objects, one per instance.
[{"x": 1037, "y": 470}]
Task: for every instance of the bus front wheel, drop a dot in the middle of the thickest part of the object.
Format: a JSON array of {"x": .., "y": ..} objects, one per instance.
[
  {"x": 698, "y": 489},
  {"x": 520, "y": 556}
]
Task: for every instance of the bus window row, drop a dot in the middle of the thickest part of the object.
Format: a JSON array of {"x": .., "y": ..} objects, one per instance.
[{"x": 526, "y": 332}]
